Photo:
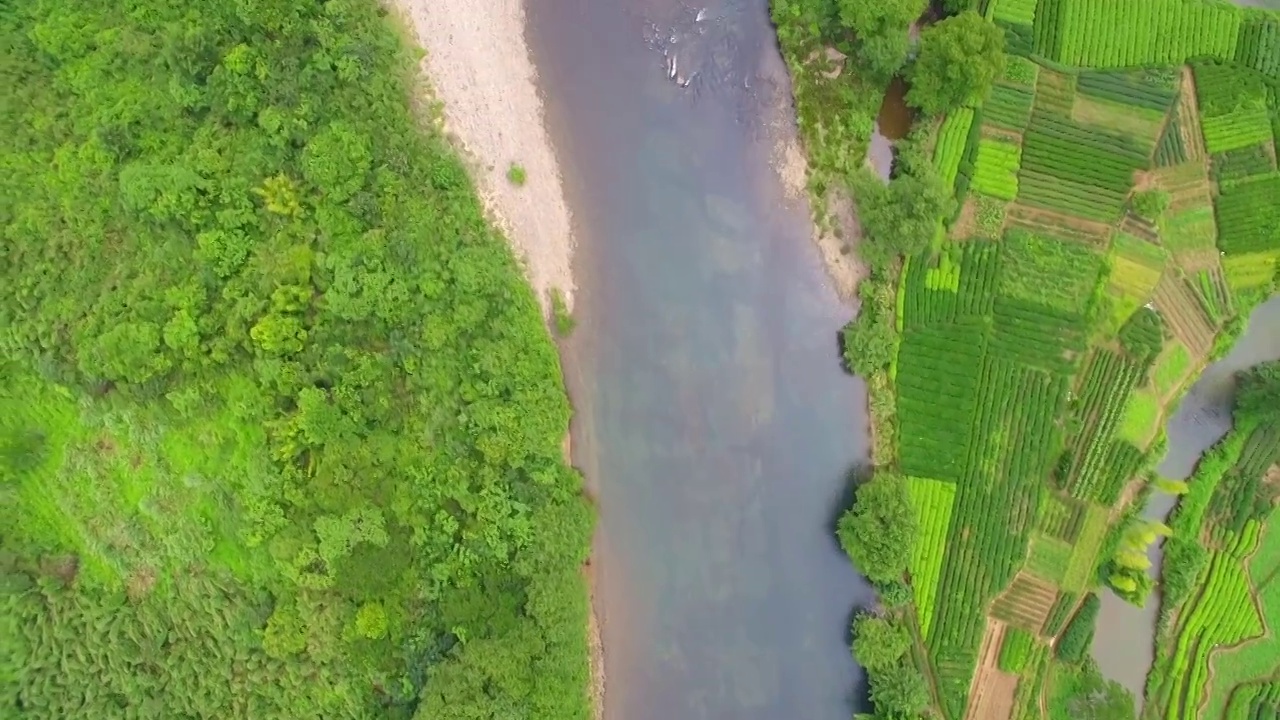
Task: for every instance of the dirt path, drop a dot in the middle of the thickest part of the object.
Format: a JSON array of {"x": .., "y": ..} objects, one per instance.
[
  {"x": 991, "y": 694},
  {"x": 479, "y": 67}
]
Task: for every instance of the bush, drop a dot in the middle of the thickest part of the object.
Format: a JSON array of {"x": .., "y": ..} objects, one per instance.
[
  {"x": 879, "y": 531},
  {"x": 1150, "y": 204},
  {"x": 1073, "y": 647}
]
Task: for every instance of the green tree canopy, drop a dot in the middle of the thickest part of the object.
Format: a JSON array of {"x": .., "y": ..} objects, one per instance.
[
  {"x": 959, "y": 60},
  {"x": 879, "y": 642},
  {"x": 881, "y": 29},
  {"x": 879, "y": 531}
]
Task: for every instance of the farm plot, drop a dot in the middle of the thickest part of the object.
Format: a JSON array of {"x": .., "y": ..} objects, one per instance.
[
  {"x": 1233, "y": 165},
  {"x": 933, "y": 501},
  {"x": 1249, "y": 215},
  {"x": 996, "y": 170},
  {"x": 1136, "y": 266},
  {"x": 1171, "y": 369},
  {"x": 1084, "y": 553},
  {"x": 992, "y": 693},
  {"x": 1108, "y": 34},
  {"x": 1188, "y": 231},
  {"x": 1109, "y": 378},
  {"x": 1078, "y": 169},
  {"x": 1017, "y": 17},
  {"x": 1061, "y": 517},
  {"x": 1027, "y": 602},
  {"x": 1060, "y": 274},
  {"x": 1140, "y": 418},
  {"x": 937, "y": 395},
  {"x": 1152, "y": 89},
  {"x": 1037, "y": 335},
  {"x": 1259, "y": 44},
  {"x": 1183, "y": 315},
  {"x": 949, "y": 150},
  {"x": 1222, "y": 615},
  {"x": 959, "y": 283},
  {"x": 1008, "y": 107}
]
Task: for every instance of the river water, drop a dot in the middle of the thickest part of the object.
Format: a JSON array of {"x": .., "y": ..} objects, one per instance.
[
  {"x": 713, "y": 422},
  {"x": 1125, "y": 642}
]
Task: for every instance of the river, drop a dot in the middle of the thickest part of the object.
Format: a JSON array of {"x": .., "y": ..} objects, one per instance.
[
  {"x": 713, "y": 422},
  {"x": 1125, "y": 642}
]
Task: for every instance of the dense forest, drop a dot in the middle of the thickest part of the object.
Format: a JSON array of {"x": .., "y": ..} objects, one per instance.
[{"x": 280, "y": 422}]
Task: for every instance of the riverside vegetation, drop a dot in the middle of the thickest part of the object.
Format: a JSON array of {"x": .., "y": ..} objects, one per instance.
[
  {"x": 1082, "y": 217},
  {"x": 280, "y": 421}
]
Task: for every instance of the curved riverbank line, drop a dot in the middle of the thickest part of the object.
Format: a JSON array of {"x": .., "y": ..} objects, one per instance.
[{"x": 479, "y": 67}]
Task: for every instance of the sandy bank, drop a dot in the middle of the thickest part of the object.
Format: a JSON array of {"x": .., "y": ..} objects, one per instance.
[{"x": 479, "y": 67}]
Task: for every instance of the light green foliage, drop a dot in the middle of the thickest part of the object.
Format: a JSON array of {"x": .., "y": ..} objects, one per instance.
[
  {"x": 516, "y": 175},
  {"x": 1150, "y": 204},
  {"x": 1140, "y": 417},
  {"x": 949, "y": 149},
  {"x": 933, "y": 501},
  {"x": 959, "y": 59},
  {"x": 991, "y": 214},
  {"x": 1049, "y": 557},
  {"x": 267, "y": 370},
  {"x": 1100, "y": 33},
  {"x": 1021, "y": 71},
  {"x": 1016, "y": 650},
  {"x": 1084, "y": 553},
  {"x": 1053, "y": 272},
  {"x": 1136, "y": 266},
  {"x": 1188, "y": 230},
  {"x": 996, "y": 169}
]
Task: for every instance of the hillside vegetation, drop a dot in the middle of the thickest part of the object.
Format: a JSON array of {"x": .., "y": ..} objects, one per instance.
[
  {"x": 1078, "y": 222},
  {"x": 280, "y": 422}
]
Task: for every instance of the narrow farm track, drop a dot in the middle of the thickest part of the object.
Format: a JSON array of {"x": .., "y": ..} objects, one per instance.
[
  {"x": 1181, "y": 310},
  {"x": 1189, "y": 112},
  {"x": 991, "y": 693}
]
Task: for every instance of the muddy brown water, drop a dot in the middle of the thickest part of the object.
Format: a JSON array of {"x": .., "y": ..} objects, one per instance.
[
  {"x": 1125, "y": 641},
  {"x": 893, "y": 122},
  {"x": 713, "y": 422}
]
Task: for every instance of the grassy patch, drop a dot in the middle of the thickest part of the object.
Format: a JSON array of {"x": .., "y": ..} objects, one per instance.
[
  {"x": 1171, "y": 368},
  {"x": 1140, "y": 418}
]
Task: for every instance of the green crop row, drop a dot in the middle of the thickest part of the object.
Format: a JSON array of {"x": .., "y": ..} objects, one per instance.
[
  {"x": 955, "y": 291},
  {"x": 1037, "y": 335},
  {"x": 1105, "y": 33},
  {"x": 1043, "y": 190},
  {"x": 1016, "y": 650},
  {"x": 1259, "y": 44},
  {"x": 1058, "y": 273},
  {"x": 1152, "y": 89},
  {"x": 1170, "y": 150},
  {"x": 1009, "y": 107},
  {"x": 1223, "y": 614},
  {"x": 996, "y": 170},
  {"x": 1068, "y": 150},
  {"x": 1020, "y": 71},
  {"x": 1109, "y": 378},
  {"x": 1235, "y": 130},
  {"x": 1248, "y": 215},
  {"x": 1249, "y": 271},
  {"x": 1061, "y": 517},
  {"x": 1255, "y": 701},
  {"x": 937, "y": 391},
  {"x": 1222, "y": 89},
  {"x": 933, "y": 501},
  {"x": 1241, "y": 162},
  {"x": 949, "y": 150}
]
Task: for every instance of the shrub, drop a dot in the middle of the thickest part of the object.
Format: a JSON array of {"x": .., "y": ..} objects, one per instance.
[{"x": 1074, "y": 644}]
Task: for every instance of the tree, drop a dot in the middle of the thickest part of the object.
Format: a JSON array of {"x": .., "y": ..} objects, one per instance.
[
  {"x": 1074, "y": 644},
  {"x": 1259, "y": 392},
  {"x": 1151, "y": 204},
  {"x": 868, "y": 345},
  {"x": 881, "y": 27},
  {"x": 1093, "y": 696},
  {"x": 879, "y": 531},
  {"x": 879, "y": 643},
  {"x": 900, "y": 693},
  {"x": 959, "y": 60}
]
